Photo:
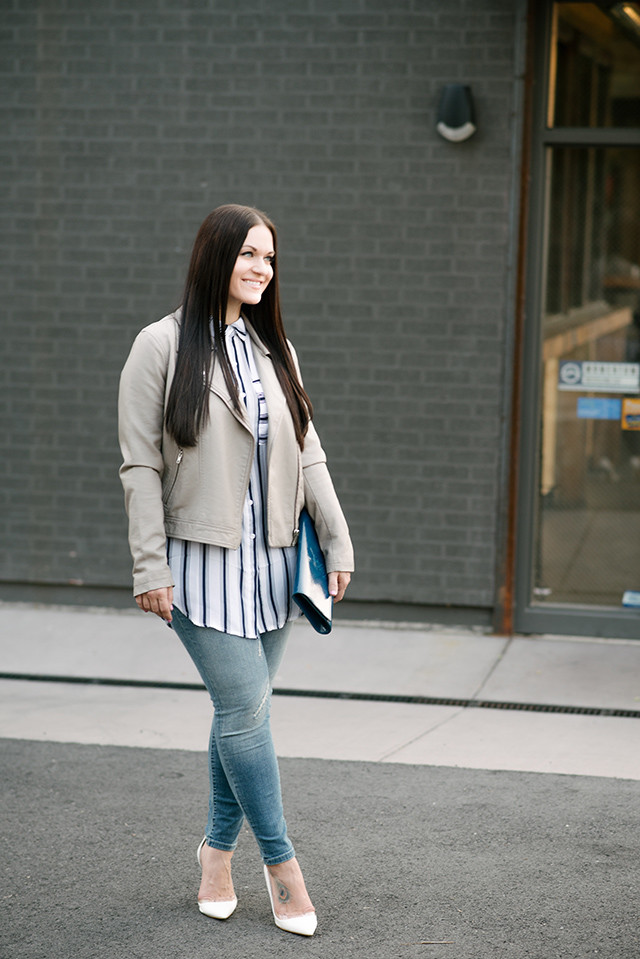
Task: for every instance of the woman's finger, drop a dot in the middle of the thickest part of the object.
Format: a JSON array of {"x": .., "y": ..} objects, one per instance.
[
  {"x": 158, "y": 601},
  {"x": 338, "y": 582}
]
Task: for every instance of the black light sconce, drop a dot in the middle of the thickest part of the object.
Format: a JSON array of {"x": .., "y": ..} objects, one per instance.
[{"x": 456, "y": 114}]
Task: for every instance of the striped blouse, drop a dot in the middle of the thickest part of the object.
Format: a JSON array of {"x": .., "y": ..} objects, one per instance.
[{"x": 244, "y": 591}]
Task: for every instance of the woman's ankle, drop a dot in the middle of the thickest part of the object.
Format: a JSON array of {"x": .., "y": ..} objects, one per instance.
[
  {"x": 290, "y": 896},
  {"x": 216, "y": 882}
]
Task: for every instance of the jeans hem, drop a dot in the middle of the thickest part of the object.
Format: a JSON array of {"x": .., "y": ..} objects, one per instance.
[
  {"x": 276, "y": 860},
  {"x": 224, "y": 846}
]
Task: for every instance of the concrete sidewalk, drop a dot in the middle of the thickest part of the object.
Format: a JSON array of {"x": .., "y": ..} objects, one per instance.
[{"x": 402, "y": 660}]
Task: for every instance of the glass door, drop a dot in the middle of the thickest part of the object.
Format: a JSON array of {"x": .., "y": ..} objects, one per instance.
[{"x": 582, "y": 506}]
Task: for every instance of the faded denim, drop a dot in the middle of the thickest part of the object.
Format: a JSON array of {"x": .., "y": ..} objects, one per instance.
[{"x": 243, "y": 768}]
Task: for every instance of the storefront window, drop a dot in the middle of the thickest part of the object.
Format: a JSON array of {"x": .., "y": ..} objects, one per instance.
[
  {"x": 587, "y": 543},
  {"x": 595, "y": 69}
]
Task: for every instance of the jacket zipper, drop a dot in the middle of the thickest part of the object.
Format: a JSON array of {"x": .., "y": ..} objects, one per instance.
[
  {"x": 178, "y": 461},
  {"x": 296, "y": 529}
]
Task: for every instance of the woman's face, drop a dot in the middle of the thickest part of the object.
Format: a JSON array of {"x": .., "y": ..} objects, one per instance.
[{"x": 253, "y": 270}]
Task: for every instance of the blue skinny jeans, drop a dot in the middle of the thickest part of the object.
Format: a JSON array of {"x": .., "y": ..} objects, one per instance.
[{"x": 243, "y": 768}]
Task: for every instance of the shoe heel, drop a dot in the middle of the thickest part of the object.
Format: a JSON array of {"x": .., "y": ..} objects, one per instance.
[{"x": 215, "y": 908}]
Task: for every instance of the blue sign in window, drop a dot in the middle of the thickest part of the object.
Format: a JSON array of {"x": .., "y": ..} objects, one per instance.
[{"x": 599, "y": 408}]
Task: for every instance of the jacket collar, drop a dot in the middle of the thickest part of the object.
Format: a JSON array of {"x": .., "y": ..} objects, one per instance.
[
  {"x": 277, "y": 403},
  {"x": 255, "y": 339}
]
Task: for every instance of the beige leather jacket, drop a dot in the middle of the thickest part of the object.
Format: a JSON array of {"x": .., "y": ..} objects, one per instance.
[{"x": 198, "y": 493}]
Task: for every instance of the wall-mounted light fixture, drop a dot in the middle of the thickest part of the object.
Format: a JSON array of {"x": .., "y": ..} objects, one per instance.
[
  {"x": 628, "y": 17},
  {"x": 456, "y": 114}
]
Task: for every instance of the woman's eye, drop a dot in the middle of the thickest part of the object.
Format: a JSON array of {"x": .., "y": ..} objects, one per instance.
[{"x": 267, "y": 259}]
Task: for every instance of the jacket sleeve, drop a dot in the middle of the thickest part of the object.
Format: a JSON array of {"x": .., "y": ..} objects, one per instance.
[
  {"x": 140, "y": 429},
  {"x": 322, "y": 501}
]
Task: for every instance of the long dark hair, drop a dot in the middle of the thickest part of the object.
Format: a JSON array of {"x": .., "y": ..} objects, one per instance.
[{"x": 215, "y": 251}]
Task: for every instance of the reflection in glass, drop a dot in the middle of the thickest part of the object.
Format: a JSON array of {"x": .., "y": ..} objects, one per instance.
[
  {"x": 595, "y": 67},
  {"x": 588, "y": 524}
]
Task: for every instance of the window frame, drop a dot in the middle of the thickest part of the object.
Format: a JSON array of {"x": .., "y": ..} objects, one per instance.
[{"x": 529, "y": 617}]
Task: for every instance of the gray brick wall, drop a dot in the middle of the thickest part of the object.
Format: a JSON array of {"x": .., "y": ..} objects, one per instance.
[{"x": 124, "y": 123}]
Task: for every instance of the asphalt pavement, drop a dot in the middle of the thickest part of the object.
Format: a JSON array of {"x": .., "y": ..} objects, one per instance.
[{"x": 450, "y": 793}]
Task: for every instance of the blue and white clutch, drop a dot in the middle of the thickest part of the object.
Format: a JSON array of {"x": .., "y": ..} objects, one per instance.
[{"x": 310, "y": 587}]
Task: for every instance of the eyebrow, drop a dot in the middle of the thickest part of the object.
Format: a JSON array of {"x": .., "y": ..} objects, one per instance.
[{"x": 247, "y": 246}]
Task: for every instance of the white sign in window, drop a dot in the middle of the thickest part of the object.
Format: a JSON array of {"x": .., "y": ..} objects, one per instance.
[{"x": 589, "y": 376}]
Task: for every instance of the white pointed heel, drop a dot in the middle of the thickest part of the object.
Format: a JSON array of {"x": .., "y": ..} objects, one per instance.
[
  {"x": 215, "y": 908},
  {"x": 304, "y": 925}
]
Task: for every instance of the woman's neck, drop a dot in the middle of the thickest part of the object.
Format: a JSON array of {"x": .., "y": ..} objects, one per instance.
[{"x": 233, "y": 313}]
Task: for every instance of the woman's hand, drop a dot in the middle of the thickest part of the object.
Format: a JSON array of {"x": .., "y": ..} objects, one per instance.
[
  {"x": 338, "y": 583},
  {"x": 158, "y": 601}
]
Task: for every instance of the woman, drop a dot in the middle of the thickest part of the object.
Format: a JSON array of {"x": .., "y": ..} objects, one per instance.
[{"x": 219, "y": 457}]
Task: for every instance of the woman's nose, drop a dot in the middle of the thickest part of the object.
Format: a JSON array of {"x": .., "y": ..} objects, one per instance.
[{"x": 262, "y": 268}]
